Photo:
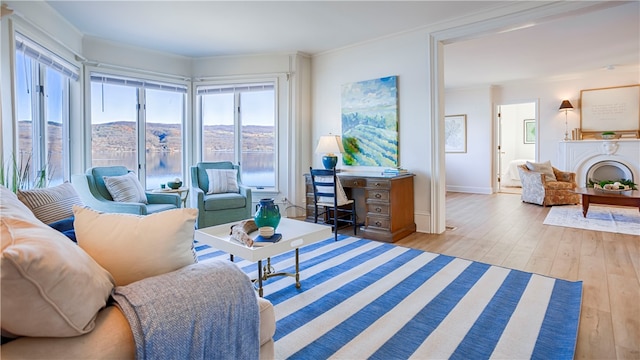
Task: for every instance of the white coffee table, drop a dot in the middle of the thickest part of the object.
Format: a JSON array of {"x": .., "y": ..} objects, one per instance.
[{"x": 295, "y": 234}]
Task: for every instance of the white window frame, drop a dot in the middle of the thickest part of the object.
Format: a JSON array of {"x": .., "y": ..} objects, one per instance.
[
  {"x": 44, "y": 60},
  {"x": 141, "y": 82},
  {"x": 237, "y": 141}
]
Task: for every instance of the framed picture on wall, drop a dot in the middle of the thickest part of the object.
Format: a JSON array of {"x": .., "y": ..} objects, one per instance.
[
  {"x": 529, "y": 127},
  {"x": 455, "y": 133},
  {"x": 610, "y": 109}
]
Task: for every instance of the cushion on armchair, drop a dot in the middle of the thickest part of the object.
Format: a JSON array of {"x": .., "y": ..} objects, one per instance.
[
  {"x": 125, "y": 188},
  {"x": 222, "y": 181},
  {"x": 544, "y": 168}
]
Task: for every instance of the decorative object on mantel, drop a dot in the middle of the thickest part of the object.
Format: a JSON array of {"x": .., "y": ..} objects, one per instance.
[
  {"x": 608, "y": 135},
  {"x": 613, "y": 185},
  {"x": 566, "y": 106}
]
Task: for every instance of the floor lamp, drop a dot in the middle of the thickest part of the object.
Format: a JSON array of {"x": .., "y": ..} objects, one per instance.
[{"x": 566, "y": 106}]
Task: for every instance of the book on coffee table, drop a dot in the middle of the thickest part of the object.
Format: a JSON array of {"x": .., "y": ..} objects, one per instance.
[{"x": 263, "y": 241}]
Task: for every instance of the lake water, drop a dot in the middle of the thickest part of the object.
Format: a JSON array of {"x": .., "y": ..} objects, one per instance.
[{"x": 257, "y": 168}]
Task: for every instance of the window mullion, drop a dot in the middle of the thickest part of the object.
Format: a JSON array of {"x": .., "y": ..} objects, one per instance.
[
  {"x": 39, "y": 120},
  {"x": 141, "y": 130},
  {"x": 237, "y": 120}
]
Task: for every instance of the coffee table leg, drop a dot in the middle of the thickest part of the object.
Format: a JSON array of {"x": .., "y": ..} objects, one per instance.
[
  {"x": 585, "y": 205},
  {"x": 297, "y": 269},
  {"x": 260, "y": 278}
]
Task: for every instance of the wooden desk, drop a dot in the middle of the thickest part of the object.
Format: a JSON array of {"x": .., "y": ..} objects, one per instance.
[{"x": 384, "y": 204}]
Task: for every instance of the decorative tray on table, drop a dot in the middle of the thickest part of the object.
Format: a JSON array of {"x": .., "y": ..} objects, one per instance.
[{"x": 612, "y": 188}]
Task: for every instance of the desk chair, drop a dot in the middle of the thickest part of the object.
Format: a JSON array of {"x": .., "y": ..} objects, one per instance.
[{"x": 329, "y": 196}]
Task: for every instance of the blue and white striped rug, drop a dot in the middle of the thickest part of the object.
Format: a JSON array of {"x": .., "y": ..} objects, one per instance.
[{"x": 365, "y": 299}]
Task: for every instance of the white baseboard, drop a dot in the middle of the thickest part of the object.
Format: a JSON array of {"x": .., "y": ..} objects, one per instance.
[
  {"x": 423, "y": 222},
  {"x": 470, "y": 189}
]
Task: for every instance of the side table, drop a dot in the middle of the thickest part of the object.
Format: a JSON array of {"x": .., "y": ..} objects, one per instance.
[{"x": 183, "y": 192}]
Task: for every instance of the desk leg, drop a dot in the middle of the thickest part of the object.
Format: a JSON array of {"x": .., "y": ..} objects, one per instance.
[
  {"x": 585, "y": 205},
  {"x": 260, "y": 278},
  {"x": 297, "y": 269}
]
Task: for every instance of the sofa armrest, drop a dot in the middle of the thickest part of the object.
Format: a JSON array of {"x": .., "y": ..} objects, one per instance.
[{"x": 531, "y": 178}]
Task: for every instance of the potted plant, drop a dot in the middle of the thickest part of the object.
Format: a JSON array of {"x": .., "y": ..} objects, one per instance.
[
  {"x": 15, "y": 175},
  {"x": 608, "y": 135}
]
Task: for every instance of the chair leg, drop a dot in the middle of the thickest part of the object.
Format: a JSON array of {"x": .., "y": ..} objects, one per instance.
[
  {"x": 354, "y": 218},
  {"x": 335, "y": 224}
]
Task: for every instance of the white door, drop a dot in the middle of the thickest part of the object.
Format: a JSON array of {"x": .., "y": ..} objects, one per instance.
[{"x": 516, "y": 132}]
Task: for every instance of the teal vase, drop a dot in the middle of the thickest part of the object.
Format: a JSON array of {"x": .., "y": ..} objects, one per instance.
[{"x": 267, "y": 214}]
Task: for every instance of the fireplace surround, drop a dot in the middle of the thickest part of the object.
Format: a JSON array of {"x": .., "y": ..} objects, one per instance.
[{"x": 597, "y": 159}]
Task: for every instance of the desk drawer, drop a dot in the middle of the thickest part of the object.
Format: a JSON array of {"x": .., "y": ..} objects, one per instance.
[
  {"x": 378, "y": 184},
  {"x": 378, "y": 209},
  {"x": 353, "y": 182},
  {"x": 378, "y": 222},
  {"x": 378, "y": 195}
]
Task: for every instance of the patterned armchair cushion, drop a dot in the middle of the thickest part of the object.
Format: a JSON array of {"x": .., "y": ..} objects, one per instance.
[{"x": 559, "y": 185}]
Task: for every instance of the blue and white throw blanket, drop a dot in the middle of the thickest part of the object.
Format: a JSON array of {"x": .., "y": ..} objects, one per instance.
[{"x": 202, "y": 311}]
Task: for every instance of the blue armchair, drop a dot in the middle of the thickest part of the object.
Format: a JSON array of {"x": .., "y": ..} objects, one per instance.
[
  {"x": 93, "y": 192},
  {"x": 218, "y": 208}
]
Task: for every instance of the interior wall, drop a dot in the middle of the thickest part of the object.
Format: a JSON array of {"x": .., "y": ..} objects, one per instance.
[
  {"x": 405, "y": 56},
  {"x": 470, "y": 172},
  {"x": 551, "y": 123}
]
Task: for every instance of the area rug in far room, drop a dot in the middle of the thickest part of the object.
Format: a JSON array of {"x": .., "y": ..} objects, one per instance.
[
  {"x": 363, "y": 299},
  {"x": 623, "y": 220}
]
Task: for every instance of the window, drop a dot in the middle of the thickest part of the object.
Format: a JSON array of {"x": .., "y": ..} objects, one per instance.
[
  {"x": 239, "y": 125},
  {"x": 138, "y": 124},
  {"x": 42, "y": 99}
]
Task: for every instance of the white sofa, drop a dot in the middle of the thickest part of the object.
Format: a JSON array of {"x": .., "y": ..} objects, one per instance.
[{"x": 90, "y": 328}]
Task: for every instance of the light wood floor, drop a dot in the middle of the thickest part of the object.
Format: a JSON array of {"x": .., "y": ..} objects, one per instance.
[{"x": 501, "y": 230}]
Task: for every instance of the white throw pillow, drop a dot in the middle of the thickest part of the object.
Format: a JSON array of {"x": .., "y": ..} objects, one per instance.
[
  {"x": 544, "y": 168},
  {"x": 341, "y": 196},
  {"x": 51, "y": 204},
  {"x": 50, "y": 287},
  {"x": 134, "y": 247},
  {"x": 223, "y": 181},
  {"x": 125, "y": 188}
]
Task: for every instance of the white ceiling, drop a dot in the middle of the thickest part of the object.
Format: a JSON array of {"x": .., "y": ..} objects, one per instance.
[{"x": 567, "y": 45}]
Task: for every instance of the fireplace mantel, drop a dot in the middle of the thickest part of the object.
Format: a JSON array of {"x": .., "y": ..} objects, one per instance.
[{"x": 580, "y": 155}]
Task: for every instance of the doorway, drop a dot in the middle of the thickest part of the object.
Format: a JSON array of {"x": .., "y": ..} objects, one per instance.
[{"x": 517, "y": 126}]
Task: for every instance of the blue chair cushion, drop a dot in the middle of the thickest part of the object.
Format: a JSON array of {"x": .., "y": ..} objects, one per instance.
[
  {"x": 154, "y": 208},
  {"x": 224, "y": 201}
]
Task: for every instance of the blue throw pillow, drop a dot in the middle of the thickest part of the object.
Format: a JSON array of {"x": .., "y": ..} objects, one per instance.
[{"x": 65, "y": 226}]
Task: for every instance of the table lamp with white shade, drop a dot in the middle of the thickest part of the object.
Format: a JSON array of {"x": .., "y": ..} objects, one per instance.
[{"x": 329, "y": 145}]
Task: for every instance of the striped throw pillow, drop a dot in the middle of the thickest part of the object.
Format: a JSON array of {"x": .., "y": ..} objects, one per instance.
[
  {"x": 51, "y": 204},
  {"x": 125, "y": 188},
  {"x": 223, "y": 181}
]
